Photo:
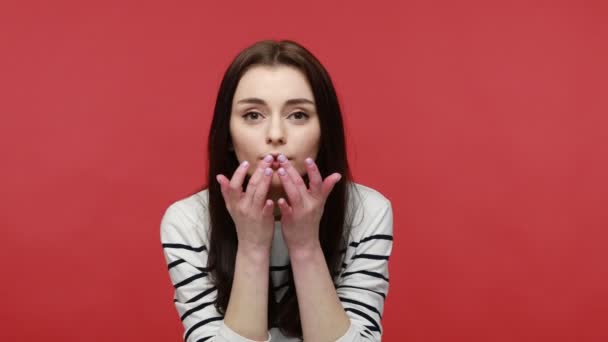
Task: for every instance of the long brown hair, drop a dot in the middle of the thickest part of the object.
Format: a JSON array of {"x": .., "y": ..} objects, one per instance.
[{"x": 331, "y": 158}]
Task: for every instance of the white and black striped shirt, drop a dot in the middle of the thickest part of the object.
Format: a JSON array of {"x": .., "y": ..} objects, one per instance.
[{"x": 362, "y": 284}]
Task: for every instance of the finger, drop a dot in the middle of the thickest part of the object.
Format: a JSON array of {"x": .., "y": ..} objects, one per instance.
[
  {"x": 257, "y": 178},
  {"x": 236, "y": 182},
  {"x": 224, "y": 182},
  {"x": 293, "y": 174},
  {"x": 329, "y": 183},
  {"x": 262, "y": 188},
  {"x": 253, "y": 184},
  {"x": 315, "y": 180},
  {"x": 290, "y": 189},
  {"x": 267, "y": 210},
  {"x": 286, "y": 210}
]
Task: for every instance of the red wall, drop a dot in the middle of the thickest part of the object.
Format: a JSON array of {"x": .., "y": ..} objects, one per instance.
[{"x": 485, "y": 123}]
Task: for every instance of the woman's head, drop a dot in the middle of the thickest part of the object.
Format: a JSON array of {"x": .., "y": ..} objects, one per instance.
[
  {"x": 276, "y": 97},
  {"x": 274, "y": 112}
]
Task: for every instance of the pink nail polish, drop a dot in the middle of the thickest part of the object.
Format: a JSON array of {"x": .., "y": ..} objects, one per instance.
[{"x": 282, "y": 171}]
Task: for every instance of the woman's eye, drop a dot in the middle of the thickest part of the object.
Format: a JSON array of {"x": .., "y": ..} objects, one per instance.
[
  {"x": 252, "y": 115},
  {"x": 300, "y": 115}
]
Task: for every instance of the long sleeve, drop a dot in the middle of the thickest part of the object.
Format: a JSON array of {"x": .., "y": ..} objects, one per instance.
[
  {"x": 186, "y": 257},
  {"x": 363, "y": 284}
]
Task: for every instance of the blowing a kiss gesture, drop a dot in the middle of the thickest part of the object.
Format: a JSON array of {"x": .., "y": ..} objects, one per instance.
[{"x": 300, "y": 214}]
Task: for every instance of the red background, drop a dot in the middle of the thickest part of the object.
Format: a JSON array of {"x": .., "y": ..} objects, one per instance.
[{"x": 483, "y": 122}]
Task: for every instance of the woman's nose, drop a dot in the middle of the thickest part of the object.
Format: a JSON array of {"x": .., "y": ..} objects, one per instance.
[{"x": 275, "y": 131}]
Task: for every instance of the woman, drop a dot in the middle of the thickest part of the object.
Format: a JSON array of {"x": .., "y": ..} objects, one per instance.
[{"x": 282, "y": 244}]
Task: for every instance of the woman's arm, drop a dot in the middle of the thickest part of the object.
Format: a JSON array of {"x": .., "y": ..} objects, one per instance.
[
  {"x": 321, "y": 312},
  {"x": 324, "y": 312},
  {"x": 247, "y": 312},
  {"x": 186, "y": 256},
  {"x": 363, "y": 283},
  {"x": 353, "y": 311}
]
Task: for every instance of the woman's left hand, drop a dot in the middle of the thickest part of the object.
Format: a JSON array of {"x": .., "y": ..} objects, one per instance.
[{"x": 300, "y": 218}]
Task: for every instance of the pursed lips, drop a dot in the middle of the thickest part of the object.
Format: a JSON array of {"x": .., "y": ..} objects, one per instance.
[{"x": 275, "y": 163}]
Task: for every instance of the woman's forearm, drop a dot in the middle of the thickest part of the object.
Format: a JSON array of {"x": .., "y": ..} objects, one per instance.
[
  {"x": 321, "y": 312},
  {"x": 247, "y": 312}
]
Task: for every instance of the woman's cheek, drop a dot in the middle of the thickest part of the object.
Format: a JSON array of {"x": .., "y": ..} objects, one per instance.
[{"x": 301, "y": 169}]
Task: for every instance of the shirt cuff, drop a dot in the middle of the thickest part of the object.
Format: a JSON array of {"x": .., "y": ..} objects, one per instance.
[{"x": 227, "y": 334}]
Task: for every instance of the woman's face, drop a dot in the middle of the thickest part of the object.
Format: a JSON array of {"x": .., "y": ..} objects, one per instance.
[{"x": 273, "y": 111}]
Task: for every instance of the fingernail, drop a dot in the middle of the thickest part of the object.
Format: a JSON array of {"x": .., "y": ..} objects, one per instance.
[
  {"x": 309, "y": 161},
  {"x": 268, "y": 171},
  {"x": 282, "y": 171},
  {"x": 245, "y": 164},
  {"x": 282, "y": 158},
  {"x": 268, "y": 158},
  {"x": 218, "y": 179}
]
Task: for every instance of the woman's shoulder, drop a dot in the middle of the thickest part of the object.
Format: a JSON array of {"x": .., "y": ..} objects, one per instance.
[
  {"x": 186, "y": 220},
  {"x": 369, "y": 212},
  {"x": 369, "y": 197}
]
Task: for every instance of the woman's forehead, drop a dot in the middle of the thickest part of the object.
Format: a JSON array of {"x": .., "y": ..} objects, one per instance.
[{"x": 273, "y": 86}]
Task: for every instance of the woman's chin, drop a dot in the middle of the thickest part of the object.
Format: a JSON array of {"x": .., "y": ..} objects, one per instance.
[
  {"x": 275, "y": 182},
  {"x": 275, "y": 188},
  {"x": 275, "y": 191}
]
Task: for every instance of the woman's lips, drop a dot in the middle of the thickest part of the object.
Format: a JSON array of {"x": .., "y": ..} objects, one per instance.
[{"x": 275, "y": 164}]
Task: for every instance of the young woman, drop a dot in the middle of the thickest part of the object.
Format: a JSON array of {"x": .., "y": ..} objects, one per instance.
[{"x": 281, "y": 244}]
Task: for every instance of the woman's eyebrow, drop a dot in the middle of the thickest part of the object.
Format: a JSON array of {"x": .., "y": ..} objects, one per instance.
[{"x": 290, "y": 102}]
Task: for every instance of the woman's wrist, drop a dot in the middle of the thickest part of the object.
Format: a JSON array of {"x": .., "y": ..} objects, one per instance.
[
  {"x": 304, "y": 252},
  {"x": 254, "y": 252}
]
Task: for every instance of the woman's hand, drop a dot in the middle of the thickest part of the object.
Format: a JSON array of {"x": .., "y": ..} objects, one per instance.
[
  {"x": 300, "y": 218},
  {"x": 250, "y": 210}
]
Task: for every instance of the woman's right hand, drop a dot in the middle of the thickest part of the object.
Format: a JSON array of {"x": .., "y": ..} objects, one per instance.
[{"x": 251, "y": 212}]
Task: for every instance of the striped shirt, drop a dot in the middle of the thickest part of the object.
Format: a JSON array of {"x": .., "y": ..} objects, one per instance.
[{"x": 361, "y": 286}]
